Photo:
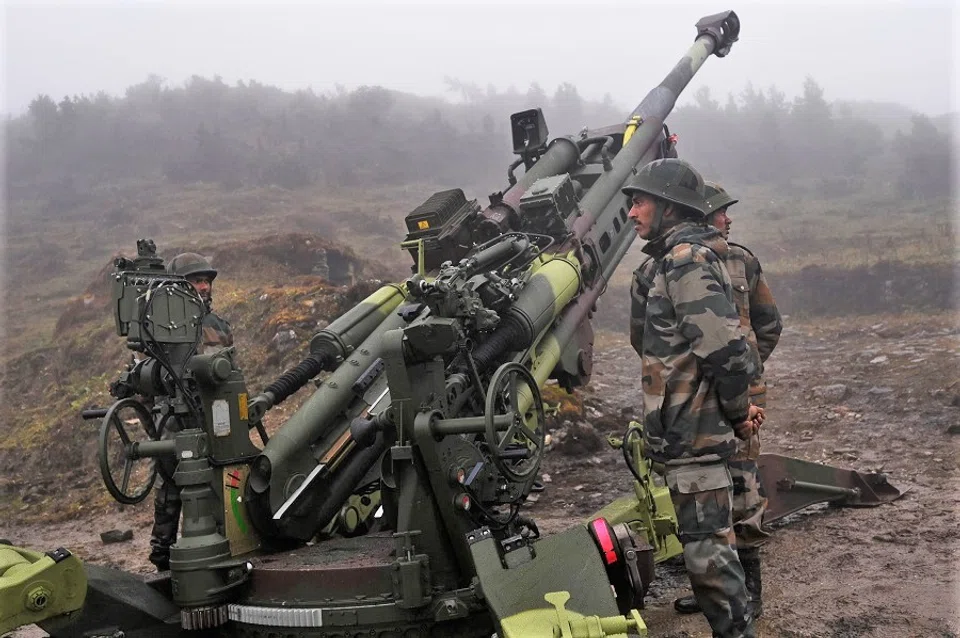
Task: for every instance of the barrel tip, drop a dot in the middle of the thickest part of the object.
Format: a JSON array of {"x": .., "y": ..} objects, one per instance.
[{"x": 723, "y": 28}]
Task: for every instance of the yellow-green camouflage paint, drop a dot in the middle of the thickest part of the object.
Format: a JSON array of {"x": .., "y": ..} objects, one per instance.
[
  {"x": 34, "y": 587},
  {"x": 658, "y": 523},
  {"x": 628, "y": 510},
  {"x": 559, "y": 621},
  {"x": 386, "y": 298},
  {"x": 563, "y": 274}
]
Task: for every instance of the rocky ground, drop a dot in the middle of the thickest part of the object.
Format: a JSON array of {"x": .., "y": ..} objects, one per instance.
[
  {"x": 869, "y": 393},
  {"x": 866, "y": 393}
]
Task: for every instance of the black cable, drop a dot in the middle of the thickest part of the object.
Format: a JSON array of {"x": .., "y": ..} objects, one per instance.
[
  {"x": 528, "y": 237},
  {"x": 298, "y": 376},
  {"x": 156, "y": 350}
]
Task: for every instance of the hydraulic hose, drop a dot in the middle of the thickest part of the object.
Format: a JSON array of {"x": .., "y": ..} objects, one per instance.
[{"x": 298, "y": 376}]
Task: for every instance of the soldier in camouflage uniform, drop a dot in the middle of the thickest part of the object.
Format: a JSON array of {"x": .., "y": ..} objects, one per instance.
[
  {"x": 697, "y": 369},
  {"x": 761, "y": 324},
  {"x": 216, "y": 334}
]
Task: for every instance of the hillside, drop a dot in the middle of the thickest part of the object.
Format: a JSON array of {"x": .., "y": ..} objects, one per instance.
[
  {"x": 276, "y": 292},
  {"x": 846, "y": 217}
]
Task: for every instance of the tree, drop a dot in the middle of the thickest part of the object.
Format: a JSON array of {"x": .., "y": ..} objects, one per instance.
[
  {"x": 568, "y": 107},
  {"x": 44, "y": 113},
  {"x": 704, "y": 101},
  {"x": 536, "y": 96},
  {"x": 927, "y": 160}
]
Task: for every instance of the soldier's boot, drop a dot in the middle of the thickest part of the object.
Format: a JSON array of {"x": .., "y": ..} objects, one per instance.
[
  {"x": 741, "y": 628},
  {"x": 687, "y": 605},
  {"x": 750, "y": 559},
  {"x": 160, "y": 557}
]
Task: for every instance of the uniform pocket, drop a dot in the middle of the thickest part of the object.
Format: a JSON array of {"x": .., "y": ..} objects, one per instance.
[
  {"x": 701, "y": 495},
  {"x": 689, "y": 479}
]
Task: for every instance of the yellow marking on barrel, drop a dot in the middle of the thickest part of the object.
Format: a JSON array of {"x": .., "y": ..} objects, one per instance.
[{"x": 242, "y": 405}]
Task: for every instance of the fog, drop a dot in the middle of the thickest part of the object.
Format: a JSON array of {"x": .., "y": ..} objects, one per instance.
[{"x": 884, "y": 52}]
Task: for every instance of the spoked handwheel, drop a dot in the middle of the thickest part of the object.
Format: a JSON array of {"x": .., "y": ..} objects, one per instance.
[
  {"x": 518, "y": 449},
  {"x": 126, "y": 475}
]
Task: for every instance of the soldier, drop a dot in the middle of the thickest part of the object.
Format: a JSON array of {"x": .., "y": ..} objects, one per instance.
[
  {"x": 697, "y": 368},
  {"x": 761, "y": 324},
  {"x": 216, "y": 334}
]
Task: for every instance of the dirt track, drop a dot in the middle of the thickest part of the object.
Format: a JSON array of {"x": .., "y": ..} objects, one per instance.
[{"x": 832, "y": 573}]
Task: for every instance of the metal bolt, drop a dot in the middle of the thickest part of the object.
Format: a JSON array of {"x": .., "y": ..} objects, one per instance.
[{"x": 37, "y": 598}]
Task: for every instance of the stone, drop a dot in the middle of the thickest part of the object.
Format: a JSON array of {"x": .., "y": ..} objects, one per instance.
[
  {"x": 577, "y": 438},
  {"x": 116, "y": 536},
  {"x": 284, "y": 341},
  {"x": 832, "y": 393}
]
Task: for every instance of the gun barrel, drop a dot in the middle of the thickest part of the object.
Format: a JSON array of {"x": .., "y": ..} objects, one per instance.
[{"x": 715, "y": 35}]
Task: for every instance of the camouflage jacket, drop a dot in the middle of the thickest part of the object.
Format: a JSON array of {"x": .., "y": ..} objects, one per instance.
[
  {"x": 697, "y": 365},
  {"x": 759, "y": 317},
  {"x": 760, "y": 320},
  {"x": 217, "y": 333}
]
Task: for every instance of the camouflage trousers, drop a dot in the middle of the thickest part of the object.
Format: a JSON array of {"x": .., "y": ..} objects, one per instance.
[
  {"x": 166, "y": 511},
  {"x": 702, "y": 496},
  {"x": 166, "y": 522},
  {"x": 749, "y": 496}
]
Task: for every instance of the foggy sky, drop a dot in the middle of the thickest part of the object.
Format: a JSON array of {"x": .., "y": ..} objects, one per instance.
[{"x": 879, "y": 51}]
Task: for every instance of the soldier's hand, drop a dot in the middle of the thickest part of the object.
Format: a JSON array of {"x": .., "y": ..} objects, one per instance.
[
  {"x": 756, "y": 414},
  {"x": 745, "y": 429}
]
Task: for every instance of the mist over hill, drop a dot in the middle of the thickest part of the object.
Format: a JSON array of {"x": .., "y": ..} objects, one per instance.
[{"x": 250, "y": 134}]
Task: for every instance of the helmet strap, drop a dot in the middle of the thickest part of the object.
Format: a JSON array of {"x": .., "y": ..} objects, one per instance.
[{"x": 657, "y": 225}]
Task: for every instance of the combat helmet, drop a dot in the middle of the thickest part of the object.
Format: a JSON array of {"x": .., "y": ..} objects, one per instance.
[
  {"x": 716, "y": 197},
  {"x": 671, "y": 179},
  {"x": 191, "y": 264}
]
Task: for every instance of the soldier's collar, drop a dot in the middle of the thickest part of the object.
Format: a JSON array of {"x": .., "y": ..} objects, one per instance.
[{"x": 683, "y": 232}]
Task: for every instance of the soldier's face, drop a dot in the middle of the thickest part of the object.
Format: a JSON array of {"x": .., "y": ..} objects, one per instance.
[
  {"x": 721, "y": 222},
  {"x": 203, "y": 286},
  {"x": 642, "y": 213}
]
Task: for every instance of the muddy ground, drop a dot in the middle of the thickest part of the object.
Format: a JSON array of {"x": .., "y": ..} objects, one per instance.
[{"x": 870, "y": 393}]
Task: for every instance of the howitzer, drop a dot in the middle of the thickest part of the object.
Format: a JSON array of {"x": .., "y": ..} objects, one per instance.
[
  {"x": 431, "y": 407},
  {"x": 432, "y": 402},
  {"x": 514, "y": 282}
]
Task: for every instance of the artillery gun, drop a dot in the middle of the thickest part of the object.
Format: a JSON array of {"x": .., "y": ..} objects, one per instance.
[{"x": 390, "y": 503}]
